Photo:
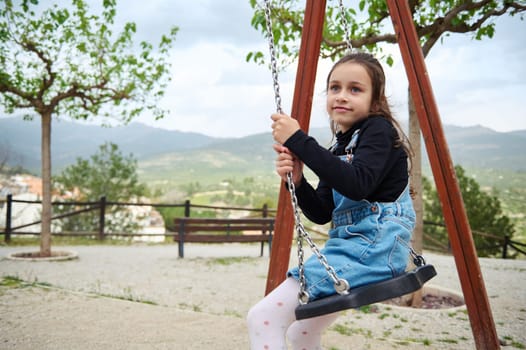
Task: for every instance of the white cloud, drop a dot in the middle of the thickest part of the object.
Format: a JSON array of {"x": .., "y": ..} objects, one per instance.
[
  {"x": 482, "y": 82},
  {"x": 499, "y": 108},
  {"x": 214, "y": 91}
]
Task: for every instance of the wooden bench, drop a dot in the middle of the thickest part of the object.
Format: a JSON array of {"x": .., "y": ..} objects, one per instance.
[{"x": 189, "y": 230}]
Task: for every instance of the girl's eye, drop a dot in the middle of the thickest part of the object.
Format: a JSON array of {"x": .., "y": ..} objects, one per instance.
[
  {"x": 355, "y": 89},
  {"x": 334, "y": 87}
]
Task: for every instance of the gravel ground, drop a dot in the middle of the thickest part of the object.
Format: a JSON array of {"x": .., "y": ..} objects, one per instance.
[{"x": 145, "y": 297}]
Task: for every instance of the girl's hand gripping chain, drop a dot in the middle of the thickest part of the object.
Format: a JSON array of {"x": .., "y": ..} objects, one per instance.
[{"x": 284, "y": 127}]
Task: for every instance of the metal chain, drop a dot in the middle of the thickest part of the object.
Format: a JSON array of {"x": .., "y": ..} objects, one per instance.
[
  {"x": 273, "y": 61},
  {"x": 418, "y": 259},
  {"x": 303, "y": 296},
  {"x": 340, "y": 285},
  {"x": 345, "y": 26}
]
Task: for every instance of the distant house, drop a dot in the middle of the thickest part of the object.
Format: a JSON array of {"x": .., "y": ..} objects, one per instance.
[
  {"x": 22, "y": 187},
  {"x": 23, "y": 213},
  {"x": 150, "y": 222}
]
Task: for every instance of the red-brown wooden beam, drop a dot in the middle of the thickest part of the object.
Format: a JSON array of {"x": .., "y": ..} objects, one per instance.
[
  {"x": 301, "y": 109},
  {"x": 455, "y": 217}
]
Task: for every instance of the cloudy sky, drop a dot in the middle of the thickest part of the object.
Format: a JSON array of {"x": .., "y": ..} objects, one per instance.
[{"x": 216, "y": 92}]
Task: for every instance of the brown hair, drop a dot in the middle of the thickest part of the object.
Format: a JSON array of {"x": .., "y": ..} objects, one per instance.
[{"x": 379, "y": 104}]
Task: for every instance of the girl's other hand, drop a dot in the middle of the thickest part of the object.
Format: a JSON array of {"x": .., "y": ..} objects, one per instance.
[
  {"x": 286, "y": 162},
  {"x": 283, "y": 127}
]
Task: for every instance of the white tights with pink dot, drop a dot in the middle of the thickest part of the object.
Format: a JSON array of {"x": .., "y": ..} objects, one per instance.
[{"x": 271, "y": 322}]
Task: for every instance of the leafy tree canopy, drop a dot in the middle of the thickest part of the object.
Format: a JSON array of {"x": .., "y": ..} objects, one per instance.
[
  {"x": 369, "y": 24},
  {"x": 69, "y": 61},
  {"x": 483, "y": 210},
  {"x": 108, "y": 174}
]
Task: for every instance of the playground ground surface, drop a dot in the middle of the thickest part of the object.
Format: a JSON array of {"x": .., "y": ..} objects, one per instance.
[{"x": 145, "y": 297}]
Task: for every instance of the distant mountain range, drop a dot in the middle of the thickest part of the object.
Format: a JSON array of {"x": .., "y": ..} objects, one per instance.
[
  {"x": 70, "y": 140},
  {"x": 161, "y": 151}
]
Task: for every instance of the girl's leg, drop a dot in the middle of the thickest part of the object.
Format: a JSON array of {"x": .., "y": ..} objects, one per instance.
[
  {"x": 306, "y": 334},
  {"x": 269, "y": 319}
]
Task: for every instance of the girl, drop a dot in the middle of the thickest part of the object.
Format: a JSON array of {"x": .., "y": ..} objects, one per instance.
[{"x": 362, "y": 188}]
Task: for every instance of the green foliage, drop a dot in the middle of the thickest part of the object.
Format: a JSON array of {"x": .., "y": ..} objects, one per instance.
[
  {"x": 369, "y": 25},
  {"x": 508, "y": 186},
  {"x": 483, "y": 210},
  {"x": 169, "y": 214},
  {"x": 106, "y": 174},
  {"x": 67, "y": 61},
  {"x": 245, "y": 193},
  {"x": 71, "y": 62}
]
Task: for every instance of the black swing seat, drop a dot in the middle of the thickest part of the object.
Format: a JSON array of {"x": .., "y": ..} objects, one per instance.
[{"x": 395, "y": 287}]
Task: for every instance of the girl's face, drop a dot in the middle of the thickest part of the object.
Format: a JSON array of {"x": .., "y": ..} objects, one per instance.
[{"x": 349, "y": 94}]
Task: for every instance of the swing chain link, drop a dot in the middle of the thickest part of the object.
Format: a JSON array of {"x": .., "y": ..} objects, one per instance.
[
  {"x": 418, "y": 259},
  {"x": 273, "y": 60},
  {"x": 345, "y": 25},
  {"x": 340, "y": 285}
]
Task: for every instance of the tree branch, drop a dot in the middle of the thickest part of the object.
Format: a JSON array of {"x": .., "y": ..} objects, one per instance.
[{"x": 445, "y": 24}]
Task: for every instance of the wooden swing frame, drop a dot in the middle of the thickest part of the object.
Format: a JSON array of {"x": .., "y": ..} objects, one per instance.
[{"x": 466, "y": 260}]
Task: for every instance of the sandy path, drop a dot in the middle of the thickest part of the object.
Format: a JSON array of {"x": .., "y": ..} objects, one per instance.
[{"x": 144, "y": 297}]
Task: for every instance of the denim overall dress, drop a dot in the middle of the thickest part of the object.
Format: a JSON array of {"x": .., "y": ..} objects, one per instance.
[{"x": 368, "y": 242}]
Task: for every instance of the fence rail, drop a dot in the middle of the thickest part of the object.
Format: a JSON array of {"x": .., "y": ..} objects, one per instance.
[
  {"x": 505, "y": 242},
  {"x": 101, "y": 206}
]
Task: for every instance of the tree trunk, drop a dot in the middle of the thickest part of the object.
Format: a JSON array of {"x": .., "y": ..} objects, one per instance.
[
  {"x": 416, "y": 183},
  {"x": 45, "y": 234},
  {"x": 416, "y": 176}
]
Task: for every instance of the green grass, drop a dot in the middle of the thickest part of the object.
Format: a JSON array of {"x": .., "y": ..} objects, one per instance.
[
  {"x": 128, "y": 297},
  {"x": 194, "y": 308},
  {"x": 341, "y": 329},
  {"x": 348, "y": 331},
  {"x": 229, "y": 260},
  {"x": 513, "y": 343},
  {"x": 15, "y": 282},
  {"x": 68, "y": 241}
]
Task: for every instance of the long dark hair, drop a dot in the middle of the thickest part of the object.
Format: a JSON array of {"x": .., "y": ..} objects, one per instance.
[{"x": 379, "y": 104}]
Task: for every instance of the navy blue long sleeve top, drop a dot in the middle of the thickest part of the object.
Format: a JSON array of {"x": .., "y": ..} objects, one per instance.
[{"x": 378, "y": 171}]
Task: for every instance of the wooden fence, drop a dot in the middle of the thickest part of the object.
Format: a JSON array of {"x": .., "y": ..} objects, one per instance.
[
  {"x": 506, "y": 243},
  {"x": 101, "y": 207},
  {"x": 499, "y": 242}
]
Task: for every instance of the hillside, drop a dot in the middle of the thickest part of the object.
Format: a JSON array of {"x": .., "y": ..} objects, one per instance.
[
  {"x": 70, "y": 140},
  {"x": 480, "y": 147},
  {"x": 165, "y": 153},
  {"x": 178, "y": 164}
]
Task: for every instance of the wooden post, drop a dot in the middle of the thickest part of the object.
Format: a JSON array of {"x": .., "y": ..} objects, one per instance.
[
  {"x": 301, "y": 109},
  {"x": 102, "y": 216},
  {"x": 505, "y": 247},
  {"x": 8, "y": 215},
  {"x": 264, "y": 213},
  {"x": 187, "y": 208},
  {"x": 455, "y": 217},
  {"x": 181, "y": 237}
]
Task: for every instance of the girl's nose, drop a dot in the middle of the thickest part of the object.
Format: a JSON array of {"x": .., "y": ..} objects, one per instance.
[{"x": 341, "y": 97}]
